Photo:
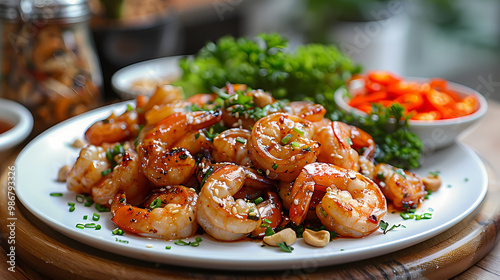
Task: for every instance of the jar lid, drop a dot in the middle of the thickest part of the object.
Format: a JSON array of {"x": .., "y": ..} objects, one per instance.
[
  {"x": 68, "y": 10},
  {"x": 9, "y": 9}
]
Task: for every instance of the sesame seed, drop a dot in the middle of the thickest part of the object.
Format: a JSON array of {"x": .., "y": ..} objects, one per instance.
[
  {"x": 191, "y": 189},
  {"x": 268, "y": 172},
  {"x": 149, "y": 246},
  {"x": 234, "y": 210},
  {"x": 237, "y": 114},
  {"x": 175, "y": 211},
  {"x": 296, "y": 201},
  {"x": 216, "y": 191}
]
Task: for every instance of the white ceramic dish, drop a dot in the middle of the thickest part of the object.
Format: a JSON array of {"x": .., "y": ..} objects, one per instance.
[
  {"x": 460, "y": 168},
  {"x": 155, "y": 70},
  {"x": 434, "y": 134},
  {"x": 21, "y": 119}
]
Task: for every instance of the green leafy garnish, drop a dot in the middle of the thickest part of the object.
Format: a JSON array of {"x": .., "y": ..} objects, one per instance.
[
  {"x": 384, "y": 225},
  {"x": 285, "y": 248}
]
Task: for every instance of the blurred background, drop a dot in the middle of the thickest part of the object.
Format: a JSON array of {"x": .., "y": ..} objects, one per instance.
[{"x": 458, "y": 40}]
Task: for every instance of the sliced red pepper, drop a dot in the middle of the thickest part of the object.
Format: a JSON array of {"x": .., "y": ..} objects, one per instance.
[
  {"x": 402, "y": 87},
  {"x": 370, "y": 98},
  {"x": 383, "y": 77},
  {"x": 427, "y": 116},
  {"x": 410, "y": 101}
]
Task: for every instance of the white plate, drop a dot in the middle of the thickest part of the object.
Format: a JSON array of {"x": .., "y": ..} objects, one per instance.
[
  {"x": 21, "y": 119},
  {"x": 156, "y": 70},
  {"x": 38, "y": 164}
]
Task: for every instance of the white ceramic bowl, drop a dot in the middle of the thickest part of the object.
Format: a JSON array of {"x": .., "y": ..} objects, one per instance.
[
  {"x": 21, "y": 119},
  {"x": 434, "y": 134}
]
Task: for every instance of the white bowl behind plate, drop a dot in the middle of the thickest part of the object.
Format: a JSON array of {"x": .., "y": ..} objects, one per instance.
[
  {"x": 21, "y": 119},
  {"x": 155, "y": 69},
  {"x": 434, "y": 134}
]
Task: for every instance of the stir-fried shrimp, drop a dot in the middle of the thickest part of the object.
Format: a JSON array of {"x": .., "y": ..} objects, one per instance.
[
  {"x": 352, "y": 206},
  {"x": 170, "y": 213},
  {"x": 159, "y": 112},
  {"x": 270, "y": 213},
  {"x": 231, "y": 146},
  {"x": 285, "y": 193},
  {"x": 335, "y": 146},
  {"x": 125, "y": 177},
  {"x": 163, "y": 95},
  {"x": 86, "y": 171},
  {"x": 281, "y": 145},
  {"x": 113, "y": 129},
  {"x": 405, "y": 189},
  {"x": 202, "y": 99},
  {"x": 306, "y": 110},
  {"x": 219, "y": 213},
  {"x": 163, "y": 162}
]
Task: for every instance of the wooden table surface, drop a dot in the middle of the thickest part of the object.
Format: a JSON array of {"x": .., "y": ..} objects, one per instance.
[{"x": 463, "y": 252}]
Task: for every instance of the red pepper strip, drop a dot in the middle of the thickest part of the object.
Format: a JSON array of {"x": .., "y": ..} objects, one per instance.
[
  {"x": 402, "y": 87},
  {"x": 383, "y": 77},
  {"x": 427, "y": 116},
  {"x": 373, "y": 87},
  {"x": 365, "y": 107},
  {"x": 443, "y": 103},
  {"x": 438, "y": 83},
  {"x": 468, "y": 105},
  {"x": 410, "y": 101},
  {"x": 370, "y": 98}
]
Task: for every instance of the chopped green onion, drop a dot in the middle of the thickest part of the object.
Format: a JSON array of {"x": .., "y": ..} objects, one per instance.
[
  {"x": 155, "y": 203},
  {"x": 79, "y": 198},
  {"x": 122, "y": 241},
  {"x": 300, "y": 132},
  {"x": 349, "y": 141},
  {"x": 308, "y": 149},
  {"x": 56, "y": 194},
  {"x": 117, "y": 231},
  {"x": 323, "y": 212},
  {"x": 286, "y": 139},
  {"x": 275, "y": 166},
  {"x": 241, "y": 140},
  {"x": 90, "y": 225},
  {"x": 89, "y": 202},
  {"x": 194, "y": 244},
  {"x": 71, "y": 204},
  {"x": 182, "y": 243},
  {"x": 106, "y": 172},
  {"x": 96, "y": 217},
  {"x": 406, "y": 216},
  {"x": 123, "y": 200},
  {"x": 80, "y": 226},
  {"x": 380, "y": 176},
  {"x": 72, "y": 208},
  {"x": 266, "y": 221},
  {"x": 129, "y": 108},
  {"x": 85, "y": 217},
  {"x": 258, "y": 200},
  {"x": 285, "y": 248},
  {"x": 333, "y": 235},
  {"x": 168, "y": 247},
  {"x": 196, "y": 136},
  {"x": 209, "y": 171},
  {"x": 295, "y": 144},
  {"x": 466, "y": 179},
  {"x": 97, "y": 227},
  {"x": 428, "y": 194},
  {"x": 101, "y": 208},
  {"x": 198, "y": 239}
]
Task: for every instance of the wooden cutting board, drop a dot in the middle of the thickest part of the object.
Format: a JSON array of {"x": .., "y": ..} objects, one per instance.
[{"x": 52, "y": 254}]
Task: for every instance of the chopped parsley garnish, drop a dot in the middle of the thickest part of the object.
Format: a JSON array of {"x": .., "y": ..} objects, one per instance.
[
  {"x": 285, "y": 248},
  {"x": 269, "y": 231},
  {"x": 385, "y": 225},
  {"x": 258, "y": 200}
]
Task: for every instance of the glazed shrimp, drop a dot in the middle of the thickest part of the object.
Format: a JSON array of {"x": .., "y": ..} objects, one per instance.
[
  {"x": 403, "y": 188},
  {"x": 113, "y": 129},
  {"x": 219, "y": 213},
  {"x": 86, "y": 171},
  {"x": 339, "y": 142},
  {"x": 125, "y": 177},
  {"x": 281, "y": 145},
  {"x": 159, "y": 112},
  {"x": 231, "y": 146},
  {"x": 352, "y": 206},
  {"x": 163, "y": 164},
  {"x": 170, "y": 213},
  {"x": 306, "y": 110},
  {"x": 270, "y": 213}
]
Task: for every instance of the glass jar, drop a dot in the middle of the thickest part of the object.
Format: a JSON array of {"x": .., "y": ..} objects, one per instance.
[{"x": 49, "y": 63}]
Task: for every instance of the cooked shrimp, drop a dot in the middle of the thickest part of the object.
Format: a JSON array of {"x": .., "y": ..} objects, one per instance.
[
  {"x": 159, "y": 112},
  {"x": 405, "y": 189},
  {"x": 352, "y": 206},
  {"x": 163, "y": 164},
  {"x": 125, "y": 177},
  {"x": 170, "y": 213},
  {"x": 285, "y": 193},
  {"x": 222, "y": 216},
  {"x": 231, "y": 146},
  {"x": 306, "y": 110},
  {"x": 281, "y": 145},
  {"x": 270, "y": 213},
  {"x": 335, "y": 146},
  {"x": 86, "y": 171},
  {"x": 113, "y": 129},
  {"x": 202, "y": 99}
]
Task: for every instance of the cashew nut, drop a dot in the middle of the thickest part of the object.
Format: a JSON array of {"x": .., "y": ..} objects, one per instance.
[
  {"x": 287, "y": 235},
  {"x": 78, "y": 143},
  {"x": 63, "y": 173},
  {"x": 432, "y": 183},
  {"x": 316, "y": 238}
]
